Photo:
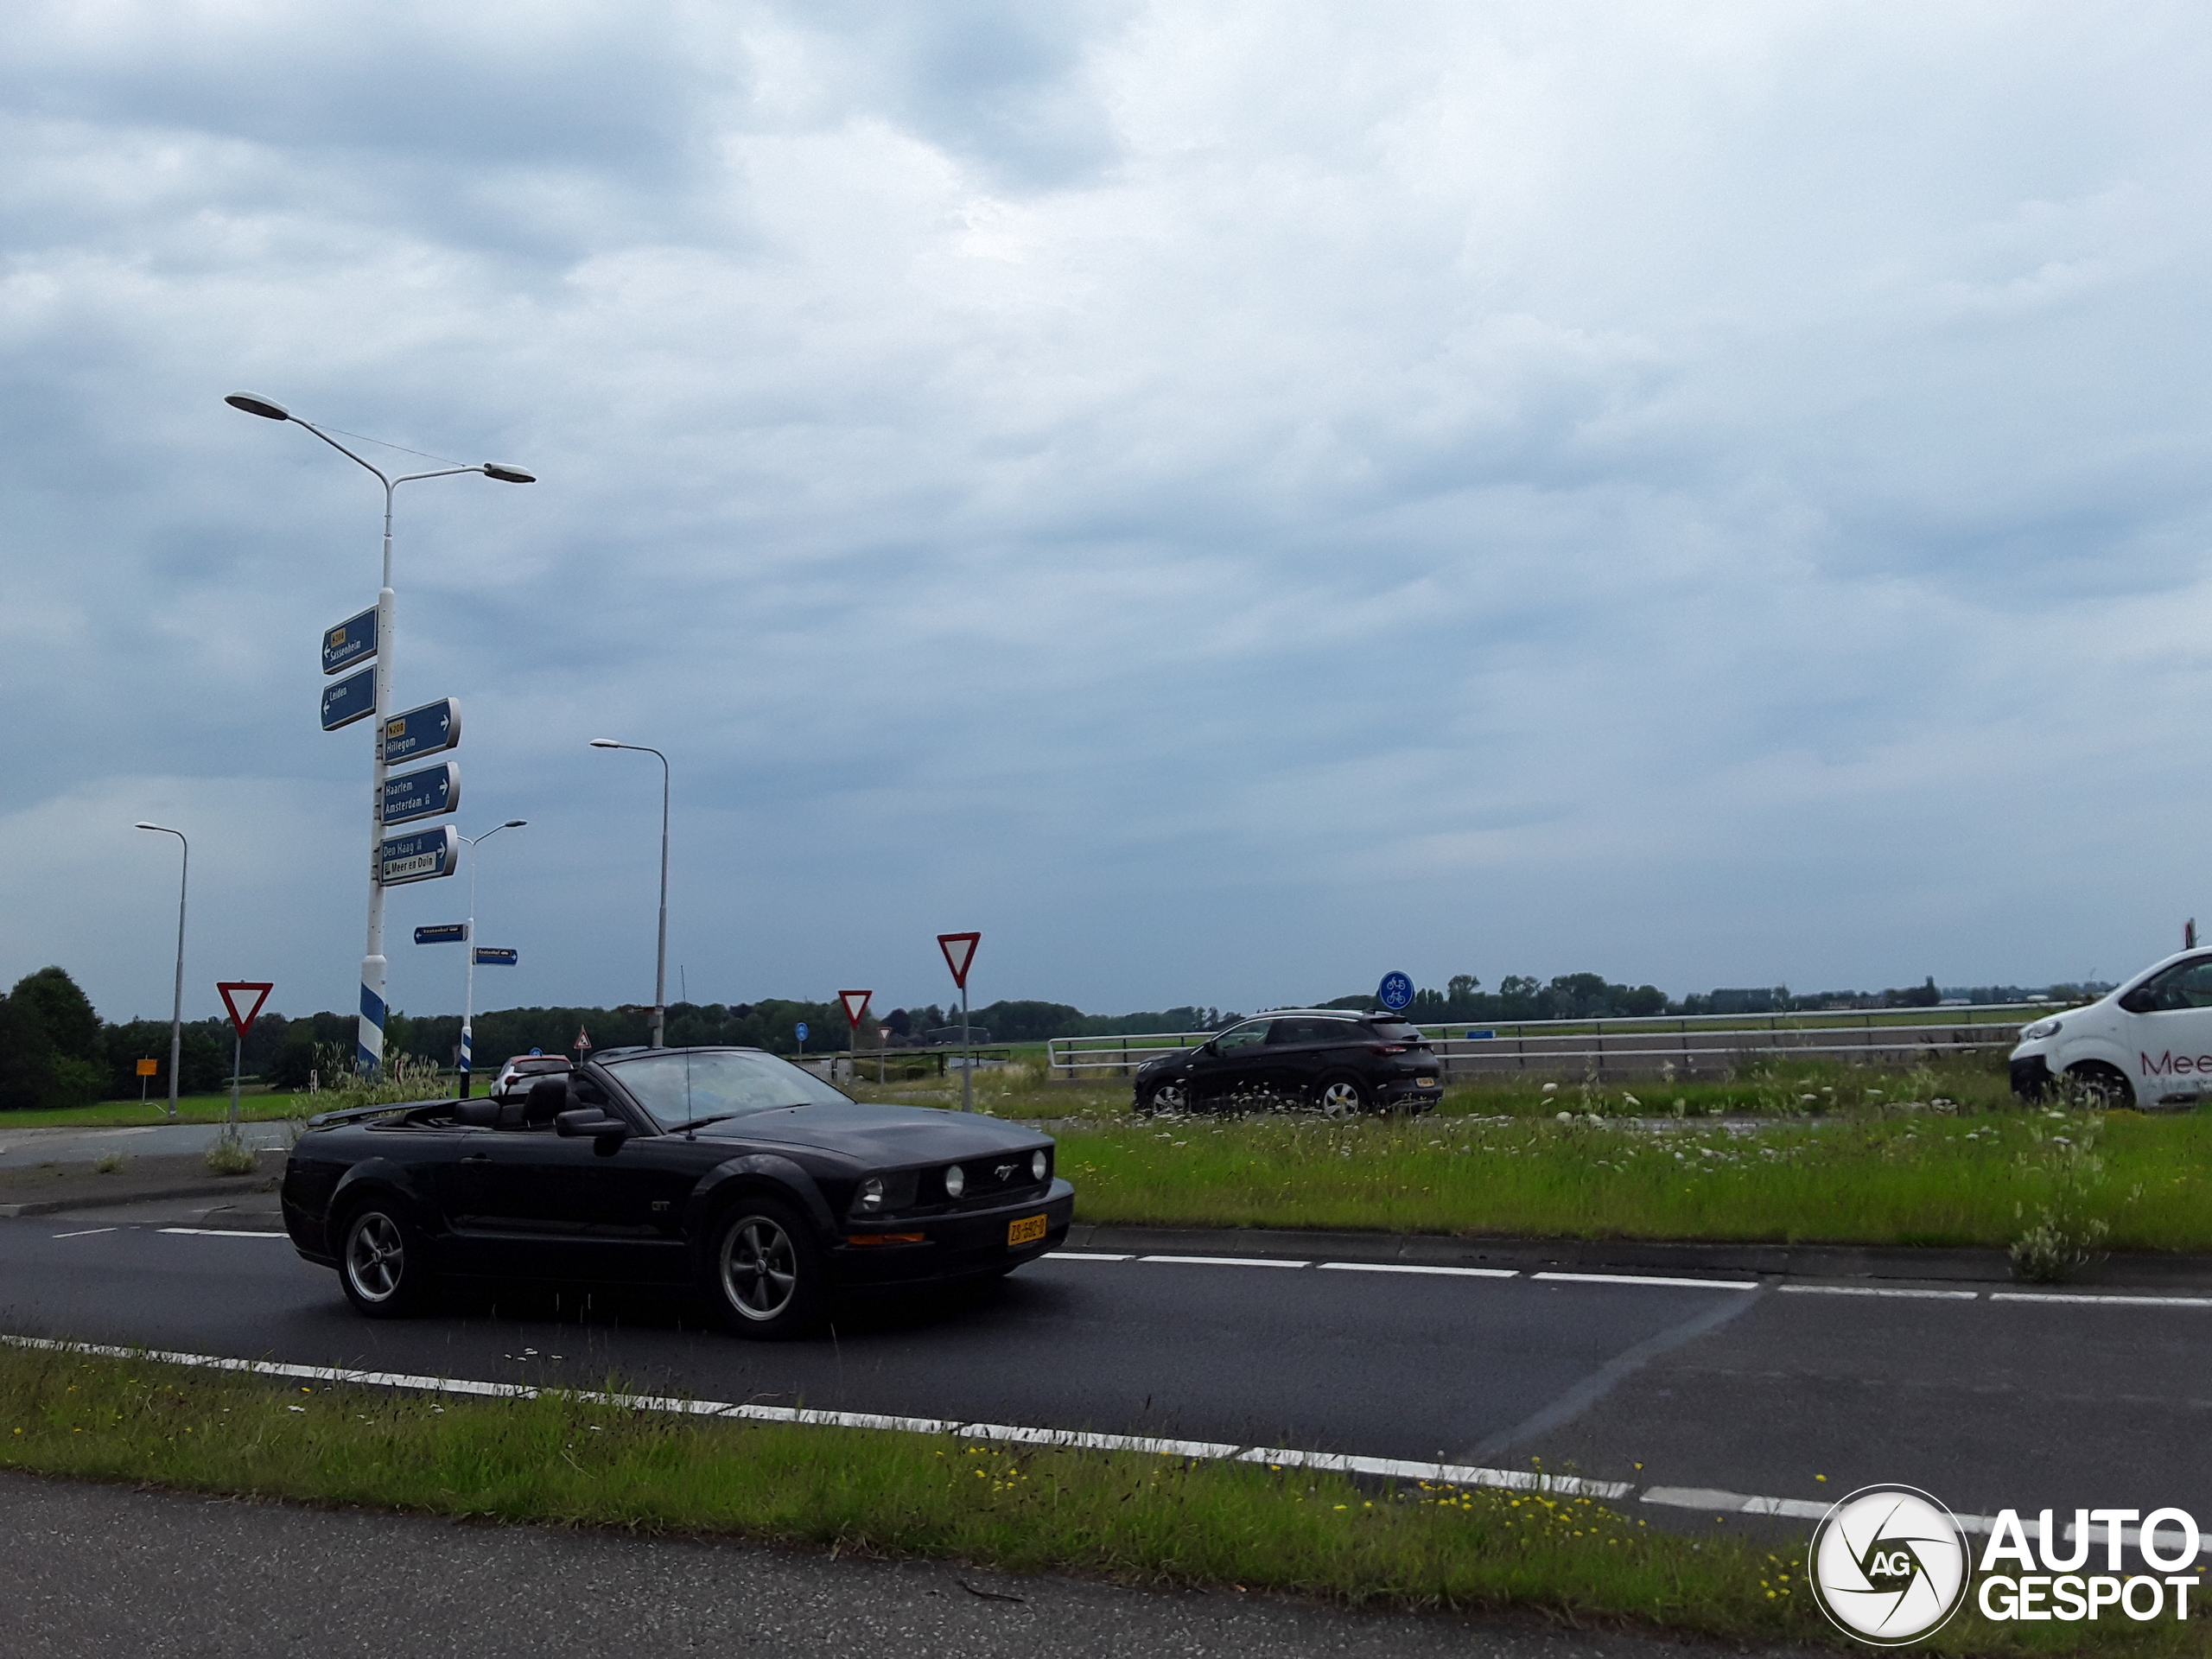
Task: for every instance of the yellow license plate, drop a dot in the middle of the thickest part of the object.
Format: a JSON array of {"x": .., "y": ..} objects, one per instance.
[{"x": 1027, "y": 1231}]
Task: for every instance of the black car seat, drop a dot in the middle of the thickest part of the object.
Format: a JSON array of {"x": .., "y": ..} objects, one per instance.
[
  {"x": 476, "y": 1113},
  {"x": 547, "y": 1100}
]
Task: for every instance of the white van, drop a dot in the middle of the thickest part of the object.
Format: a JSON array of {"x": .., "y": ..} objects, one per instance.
[{"x": 2147, "y": 1044}]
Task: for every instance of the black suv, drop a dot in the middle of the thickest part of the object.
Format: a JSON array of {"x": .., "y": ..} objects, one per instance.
[{"x": 1337, "y": 1062}]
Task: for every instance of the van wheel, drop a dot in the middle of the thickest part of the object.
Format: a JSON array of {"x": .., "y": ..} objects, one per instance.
[{"x": 2103, "y": 1088}]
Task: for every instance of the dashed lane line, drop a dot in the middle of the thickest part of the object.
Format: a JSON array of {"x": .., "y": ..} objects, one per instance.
[
  {"x": 227, "y": 1232},
  {"x": 88, "y": 1231},
  {"x": 1648, "y": 1279},
  {"x": 2099, "y": 1301},
  {"x": 1226, "y": 1260},
  {"x": 1898, "y": 1292},
  {"x": 1402, "y": 1267}
]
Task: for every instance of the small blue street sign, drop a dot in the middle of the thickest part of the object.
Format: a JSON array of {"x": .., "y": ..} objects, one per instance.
[
  {"x": 348, "y": 700},
  {"x": 1395, "y": 993},
  {"x": 351, "y": 640},
  {"x": 493, "y": 955},
  {"x": 429, "y": 793},
  {"x": 802, "y": 1031},
  {"x": 441, "y": 933},
  {"x": 535, "y": 1052},
  {"x": 427, "y": 730},
  {"x": 421, "y": 855},
  {"x": 1482, "y": 1036}
]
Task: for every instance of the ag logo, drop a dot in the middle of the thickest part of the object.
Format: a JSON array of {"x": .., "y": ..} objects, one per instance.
[{"x": 1889, "y": 1564}]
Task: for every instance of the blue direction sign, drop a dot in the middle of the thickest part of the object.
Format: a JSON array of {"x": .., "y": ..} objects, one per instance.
[
  {"x": 427, "y": 730},
  {"x": 1395, "y": 993},
  {"x": 493, "y": 955},
  {"x": 423, "y": 855},
  {"x": 441, "y": 933},
  {"x": 348, "y": 700},
  {"x": 802, "y": 1031},
  {"x": 351, "y": 640},
  {"x": 429, "y": 793}
]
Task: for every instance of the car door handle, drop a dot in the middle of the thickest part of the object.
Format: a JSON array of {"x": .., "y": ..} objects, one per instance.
[{"x": 478, "y": 1157}]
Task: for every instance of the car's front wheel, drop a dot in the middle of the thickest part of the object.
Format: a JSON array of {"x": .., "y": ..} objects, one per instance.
[
  {"x": 1169, "y": 1097},
  {"x": 381, "y": 1261},
  {"x": 2101, "y": 1088},
  {"x": 1340, "y": 1097},
  {"x": 766, "y": 1272}
]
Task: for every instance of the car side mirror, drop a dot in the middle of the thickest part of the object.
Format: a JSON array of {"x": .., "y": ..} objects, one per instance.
[{"x": 607, "y": 1133}]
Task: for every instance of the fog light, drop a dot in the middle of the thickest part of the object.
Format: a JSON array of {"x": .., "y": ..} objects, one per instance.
[
  {"x": 955, "y": 1181},
  {"x": 1038, "y": 1163}
]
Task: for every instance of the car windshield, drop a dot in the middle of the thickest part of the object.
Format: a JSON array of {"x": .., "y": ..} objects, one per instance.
[{"x": 680, "y": 1085}]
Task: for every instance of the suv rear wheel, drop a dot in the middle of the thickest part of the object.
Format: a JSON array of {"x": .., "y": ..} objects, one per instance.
[{"x": 1341, "y": 1096}]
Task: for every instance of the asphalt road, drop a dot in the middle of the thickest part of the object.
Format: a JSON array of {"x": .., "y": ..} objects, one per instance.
[{"x": 1987, "y": 1404}]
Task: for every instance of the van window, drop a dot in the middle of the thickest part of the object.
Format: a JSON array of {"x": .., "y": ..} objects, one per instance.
[{"x": 2185, "y": 985}]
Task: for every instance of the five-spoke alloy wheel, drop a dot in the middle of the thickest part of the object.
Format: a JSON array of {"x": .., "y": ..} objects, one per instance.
[
  {"x": 380, "y": 1262},
  {"x": 768, "y": 1278}
]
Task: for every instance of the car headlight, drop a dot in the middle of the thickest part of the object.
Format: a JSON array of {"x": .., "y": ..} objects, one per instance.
[
  {"x": 955, "y": 1181},
  {"x": 1038, "y": 1163},
  {"x": 2040, "y": 1029},
  {"x": 872, "y": 1193}
]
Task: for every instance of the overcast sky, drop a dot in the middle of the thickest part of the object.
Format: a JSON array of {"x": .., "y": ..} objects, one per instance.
[{"x": 1228, "y": 500}]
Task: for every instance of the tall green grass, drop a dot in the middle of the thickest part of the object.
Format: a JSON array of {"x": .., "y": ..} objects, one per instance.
[{"x": 570, "y": 1460}]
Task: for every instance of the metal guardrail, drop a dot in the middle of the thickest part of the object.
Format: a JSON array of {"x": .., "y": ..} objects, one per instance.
[{"x": 1691, "y": 1044}]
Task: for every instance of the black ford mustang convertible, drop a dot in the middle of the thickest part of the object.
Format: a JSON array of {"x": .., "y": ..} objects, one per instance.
[{"x": 726, "y": 1169}]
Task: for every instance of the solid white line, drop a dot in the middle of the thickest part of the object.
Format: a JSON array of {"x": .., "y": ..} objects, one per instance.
[
  {"x": 1226, "y": 1260},
  {"x": 1393, "y": 1267},
  {"x": 1648, "y": 1279},
  {"x": 1084, "y": 1256},
  {"x": 1450, "y": 1474},
  {"x": 2103, "y": 1301},
  {"x": 1870, "y": 1290},
  {"x": 227, "y": 1232},
  {"x": 1706, "y": 1498},
  {"x": 1083, "y": 1440},
  {"x": 88, "y": 1232}
]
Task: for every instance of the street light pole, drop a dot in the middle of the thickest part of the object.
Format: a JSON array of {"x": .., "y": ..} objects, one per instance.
[
  {"x": 369, "y": 1041},
  {"x": 469, "y": 938},
  {"x": 177, "y": 1005},
  {"x": 660, "y": 956}
]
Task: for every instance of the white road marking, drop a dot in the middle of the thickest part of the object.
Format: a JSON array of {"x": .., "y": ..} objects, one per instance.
[
  {"x": 1085, "y": 1255},
  {"x": 1870, "y": 1290},
  {"x": 1706, "y": 1498},
  {"x": 1394, "y": 1266},
  {"x": 1227, "y": 1260},
  {"x": 1648, "y": 1279},
  {"x": 2105, "y": 1301},
  {"x": 88, "y": 1231},
  {"x": 227, "y": 1232}
]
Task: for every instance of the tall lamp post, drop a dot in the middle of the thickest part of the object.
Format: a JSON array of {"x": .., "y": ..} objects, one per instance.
[
  {"x": 469, "y": 938},
  {"x": 660, "y": 956},
  {"x": 177, "y": 1005},
  {"x": 369, "y": 1046}
]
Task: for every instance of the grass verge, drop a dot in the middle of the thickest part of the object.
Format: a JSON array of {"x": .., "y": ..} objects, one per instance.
[
  {"x": 571, "y": 1460},
  {"x": 1914, "y": 1179}
]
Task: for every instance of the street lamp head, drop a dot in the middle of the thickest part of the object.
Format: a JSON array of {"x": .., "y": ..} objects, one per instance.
[
  {"x": 504, "y": 474},
  {"x": 607, "y": 743},
  {"x": 163, "y": 827},
  {"x": 254, "y": 404},
  {"x": 515, "y": 823}
]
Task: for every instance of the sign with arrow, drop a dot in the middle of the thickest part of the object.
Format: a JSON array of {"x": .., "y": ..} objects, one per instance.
[
  {"x": 348, "y": 700},
  {"x": 433, "y": 727},
  {"x": 443, "y": 933},
  {"x": 495, "y": 955},
  {"x": 430, "y": 793},
  {"x": 350, "y": 641},
  {"x": 234, "y": 992},
  {"x": 959, "y": 950},
  {"x": 423, "y": 855},
  {"x": 856, "y": 1007}
]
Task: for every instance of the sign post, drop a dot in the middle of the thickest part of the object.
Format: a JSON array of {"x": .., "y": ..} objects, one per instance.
[
  {"x": 801, "y": 1029},
  {"x": 959, "y": 953},
  {"x": 232, "y": 990},
  {"x": 146, "y": 1069},
  {"x": 855, "y": 1011}
]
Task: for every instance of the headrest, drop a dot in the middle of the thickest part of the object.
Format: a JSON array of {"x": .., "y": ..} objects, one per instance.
[
  {"x": 478, "y": 1114},
  {"x": 548, "y": 1098}
]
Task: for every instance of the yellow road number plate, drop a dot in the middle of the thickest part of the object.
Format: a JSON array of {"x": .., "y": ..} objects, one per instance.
[{"x": 1027, "y": 1231}]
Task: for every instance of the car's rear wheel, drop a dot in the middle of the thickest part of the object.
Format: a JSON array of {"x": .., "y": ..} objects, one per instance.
[
  {"x": 1340, "y": 1097},
  {"x": 381, "y": 1261},
  {"x": 766, "y": 1272},
  {"x": 1170, "y": 1097}
]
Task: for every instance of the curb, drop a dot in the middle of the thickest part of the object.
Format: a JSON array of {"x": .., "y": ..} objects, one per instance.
[
  {"x": 110, "y": 1194},
  {"x": 1980, "y": 1266}
]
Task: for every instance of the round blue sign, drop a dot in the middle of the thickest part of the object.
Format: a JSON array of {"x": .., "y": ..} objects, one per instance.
[
  {"x": 1396, "y": 992},
  {"x": 802, "y": 1031},
  {"x": 537, "y": 1051}
]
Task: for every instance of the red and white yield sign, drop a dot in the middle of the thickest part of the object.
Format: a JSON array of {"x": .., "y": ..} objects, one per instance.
[
  {"x": 959, "y": 950},
  {"x": 233, "y": 992},
  {"x": 856, "y": 1007}
]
